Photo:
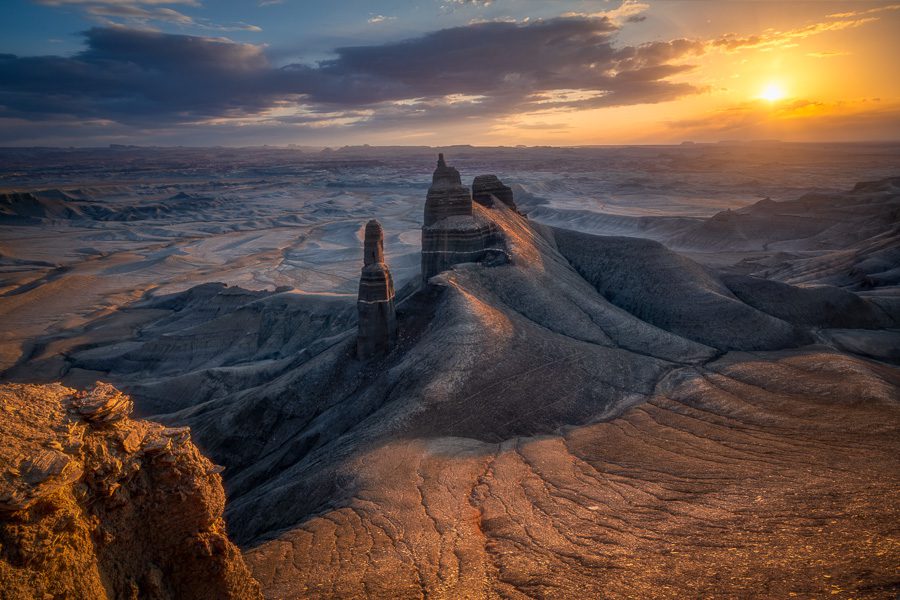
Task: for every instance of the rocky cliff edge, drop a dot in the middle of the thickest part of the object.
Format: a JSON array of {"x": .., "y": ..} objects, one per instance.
[{"x": 94, "y": 504}]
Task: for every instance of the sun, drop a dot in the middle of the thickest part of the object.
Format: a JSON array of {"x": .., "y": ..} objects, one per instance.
[{"x": 773, "y": 92}]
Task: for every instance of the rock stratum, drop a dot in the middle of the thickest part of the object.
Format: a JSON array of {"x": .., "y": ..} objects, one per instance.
[
  {"x": 591, "y": 416},
  {"x": 488, "y": 188},
  {"x": 94, "y": 504},
  {"x": 454, "y": 232}
]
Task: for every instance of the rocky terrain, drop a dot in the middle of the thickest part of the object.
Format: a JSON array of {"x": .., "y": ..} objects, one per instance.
[
  {"x": 643, "y": 413},
  {"x": 95, "y": 505},
  {"x": 84, "y": 232}
]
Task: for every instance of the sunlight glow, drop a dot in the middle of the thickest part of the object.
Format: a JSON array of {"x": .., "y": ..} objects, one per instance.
[{"x": 773, "y": 92}]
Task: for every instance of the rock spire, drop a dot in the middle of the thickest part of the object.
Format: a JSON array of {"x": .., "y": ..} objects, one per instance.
[
  {"x": 377, "y": 317},
  {"x": 452, "y": 233},
  {"x": 447, "y": 196}
]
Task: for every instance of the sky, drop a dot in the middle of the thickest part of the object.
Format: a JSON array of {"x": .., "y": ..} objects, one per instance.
[{"x": 443, "y": 72}]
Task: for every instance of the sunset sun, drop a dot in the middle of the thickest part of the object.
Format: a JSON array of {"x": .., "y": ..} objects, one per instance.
[{"x": 773, "y": 92}]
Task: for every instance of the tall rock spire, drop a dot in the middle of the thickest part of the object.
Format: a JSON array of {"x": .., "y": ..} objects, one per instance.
[
  {"x": 447, "y": 196},
  {"x": 452, "y": 233},
  {"x": 373, "y": 244},
  {"x": 377, "y": 318}
]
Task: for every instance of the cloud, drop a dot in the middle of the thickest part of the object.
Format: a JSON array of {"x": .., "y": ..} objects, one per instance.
[
  {"x": 470, "y": 2},
  {"x": 542, "y": 126},
  {"x": 136, "y": 76},
  {"x": 629, "y": 11},
  {"x": 503, "y": 60},
  {"x": 867, "y": 119},
  {"x": 142, "y": 12},
  {"x": 239, "y": 26},
  {"x": 826, "y": 54},
  {"x": 450, "y": 6},
  {"x": 134, "y": 12},
  {"x": 379, "y": 19},
  {"x": 485, "y": 70},
  {"x": 870, "y": 11},
  {"x": 773, "y": 39}
]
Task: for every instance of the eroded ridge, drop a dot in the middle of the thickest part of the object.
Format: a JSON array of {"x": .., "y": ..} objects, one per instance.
[{"x": 759, "y": 476}]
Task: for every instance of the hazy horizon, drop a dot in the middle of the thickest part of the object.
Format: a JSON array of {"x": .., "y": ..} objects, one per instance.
[{"x": 350, "y": 145}]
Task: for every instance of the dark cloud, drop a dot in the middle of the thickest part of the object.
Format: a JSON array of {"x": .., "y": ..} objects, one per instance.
[
  {"x": 147, "y": 78},
  {"x": 482, "y": 58},
  {"x": 136, "y": 76}
]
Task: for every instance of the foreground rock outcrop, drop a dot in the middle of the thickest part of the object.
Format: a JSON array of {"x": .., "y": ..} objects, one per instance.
[
  {"x": 453, "y": 233},
  {"x": 377, "y": 332},
  {"x": 96, "y": 505}
]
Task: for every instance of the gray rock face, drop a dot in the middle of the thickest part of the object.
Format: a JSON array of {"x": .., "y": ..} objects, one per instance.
[
  {"x": 447, "y": 196},
  {"x": 377, "y": 318},
  {"x": 673, "y": 292},
  {"x": 373, "y": 244},
  {"x": 452, "y": 234},
  {"x": 487, "y": 188},
  {"x": 820, "y": 306}
]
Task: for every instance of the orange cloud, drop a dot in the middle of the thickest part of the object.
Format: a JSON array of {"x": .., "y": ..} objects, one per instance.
[
  {"x": 827, "y": 54},
  {"x": 799, "y": 120},
  {"x": 773, "y": 39},
  {"x": 871, "y": 11}
]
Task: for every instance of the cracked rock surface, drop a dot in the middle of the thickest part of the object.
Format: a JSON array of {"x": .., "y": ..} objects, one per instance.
[{"x": 759, "y": 476}]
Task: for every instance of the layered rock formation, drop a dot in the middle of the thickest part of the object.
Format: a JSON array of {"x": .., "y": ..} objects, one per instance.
[
  {"x": 377, "y": 318},
  {"x": 452, "y": 233},
  {"x": 487, "y": 188},
  {"x": 96, "y": 505},
  {"x": 447, "y": 196}
]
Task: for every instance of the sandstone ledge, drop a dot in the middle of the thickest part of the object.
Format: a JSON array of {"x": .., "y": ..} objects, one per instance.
[{"x": 95, "y": 505}]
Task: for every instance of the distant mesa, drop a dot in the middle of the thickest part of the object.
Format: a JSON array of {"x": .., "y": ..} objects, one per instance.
[
  {"x": 453, "y": 233},
  {"x": 377, "y": 331}
]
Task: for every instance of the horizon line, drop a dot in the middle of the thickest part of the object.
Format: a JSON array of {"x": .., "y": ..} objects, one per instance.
[{"x": 120, "y": 146}]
